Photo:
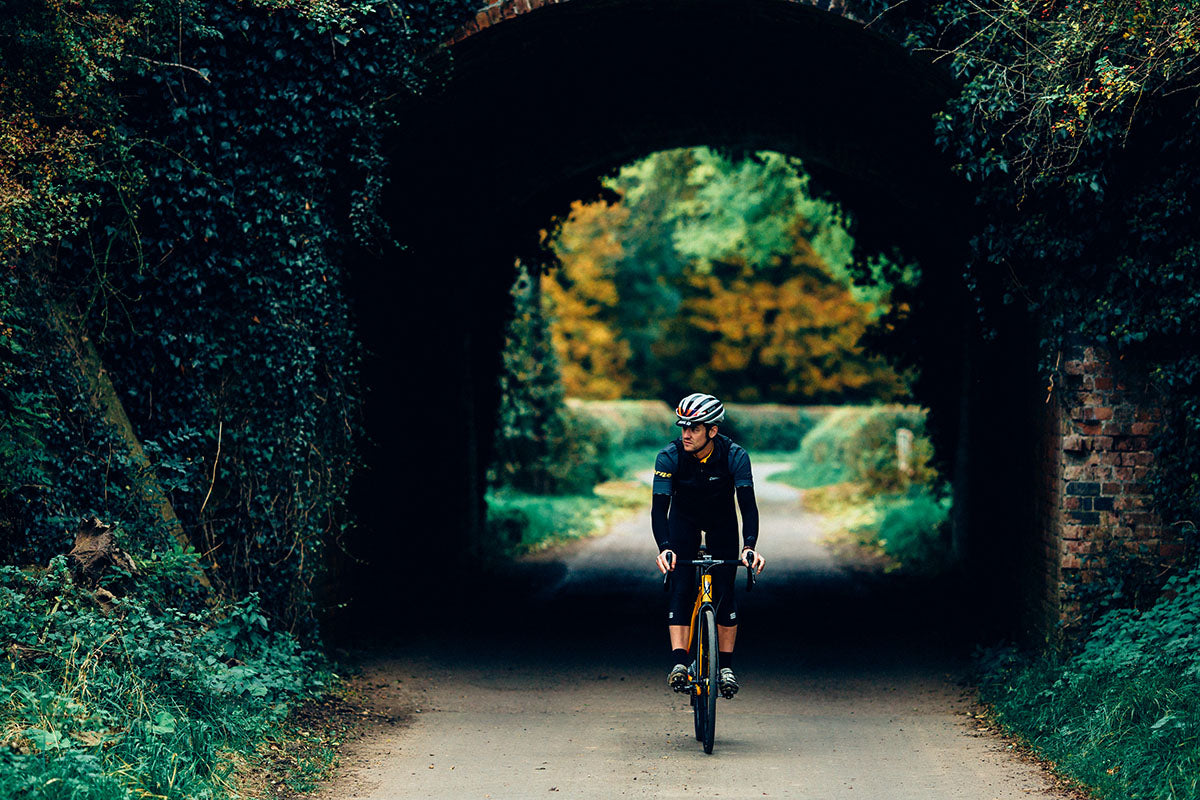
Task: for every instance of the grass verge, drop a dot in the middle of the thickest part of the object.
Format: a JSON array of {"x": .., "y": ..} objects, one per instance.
[
  {"x": 139, "y": 700},
  {"x": 525, "y": 523},
  {"x": 1122, "y": 714}
]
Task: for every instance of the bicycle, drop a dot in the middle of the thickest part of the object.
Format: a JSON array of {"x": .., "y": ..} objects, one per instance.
[{"x": 702, "y": 642}]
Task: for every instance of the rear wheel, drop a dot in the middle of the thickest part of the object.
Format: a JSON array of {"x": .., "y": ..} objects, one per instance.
[{"x": 707, "y": 667}]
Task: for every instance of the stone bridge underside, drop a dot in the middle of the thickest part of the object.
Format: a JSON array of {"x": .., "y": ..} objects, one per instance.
[{"x": 544, "y": 98}]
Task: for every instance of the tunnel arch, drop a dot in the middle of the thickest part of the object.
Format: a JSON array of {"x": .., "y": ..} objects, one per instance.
[{"x": 538, "y": 105}]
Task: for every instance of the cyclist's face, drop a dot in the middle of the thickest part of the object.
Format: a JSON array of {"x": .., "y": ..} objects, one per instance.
[{"x": 695, "y": 438}]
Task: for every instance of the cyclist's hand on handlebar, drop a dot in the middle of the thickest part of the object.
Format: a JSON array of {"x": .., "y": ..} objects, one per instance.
[
  {"x": 754, "y": 560},
  {"x": 666, "y": 561}
]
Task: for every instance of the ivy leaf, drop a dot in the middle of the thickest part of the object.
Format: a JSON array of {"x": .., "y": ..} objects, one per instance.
[{"x": 164, "y": 722}]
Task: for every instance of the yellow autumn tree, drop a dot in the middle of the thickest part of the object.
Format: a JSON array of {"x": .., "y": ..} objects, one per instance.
[
  {"x": 581, "y": 298},
  {"x": 785, "y": 330}
]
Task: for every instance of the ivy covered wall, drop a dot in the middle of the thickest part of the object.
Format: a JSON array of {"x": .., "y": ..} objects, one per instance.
[{"x": 183, "y": 186}]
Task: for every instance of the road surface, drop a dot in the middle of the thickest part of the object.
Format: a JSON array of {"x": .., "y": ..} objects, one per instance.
[{"x": 557, "y": 684}]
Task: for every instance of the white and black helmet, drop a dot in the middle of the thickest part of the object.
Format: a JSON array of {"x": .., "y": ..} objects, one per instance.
[{"x": 696, "y": 409}]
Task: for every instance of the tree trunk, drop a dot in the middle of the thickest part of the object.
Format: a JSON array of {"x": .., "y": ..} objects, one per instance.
[{"x": 103, "y": 397}]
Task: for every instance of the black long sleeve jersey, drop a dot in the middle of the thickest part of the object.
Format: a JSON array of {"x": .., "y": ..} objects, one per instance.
[{"x": 702, "y": 492}]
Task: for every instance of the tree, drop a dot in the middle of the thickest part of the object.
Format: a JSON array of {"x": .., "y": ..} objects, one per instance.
[{"x": 582, "y": 299}]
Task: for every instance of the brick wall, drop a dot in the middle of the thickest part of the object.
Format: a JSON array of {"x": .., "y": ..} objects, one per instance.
[{"x": 1092, "y": 499}]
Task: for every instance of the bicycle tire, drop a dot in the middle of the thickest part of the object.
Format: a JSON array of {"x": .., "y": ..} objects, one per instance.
[{"x": 709, "y": 685}]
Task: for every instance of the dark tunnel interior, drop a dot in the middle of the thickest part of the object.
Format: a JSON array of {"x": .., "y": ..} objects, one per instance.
[{"x": 537, "y": 110}]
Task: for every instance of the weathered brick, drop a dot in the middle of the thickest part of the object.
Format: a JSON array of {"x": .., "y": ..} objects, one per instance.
[
  {"x": 1086, "y": 517},
  {"x": 1083, "y": 488},
  {"x": 1171, "y": 550},
  {"x": 1102, "y": 504},
  {"x": 1112, "y": 428}
]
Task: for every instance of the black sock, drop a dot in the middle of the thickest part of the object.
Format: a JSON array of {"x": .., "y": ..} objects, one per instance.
[
  {"x": 724, "y": 659},
  {"x": 679, "y": 656}
]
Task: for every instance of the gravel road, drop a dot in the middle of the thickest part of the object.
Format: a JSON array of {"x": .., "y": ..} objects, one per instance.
[{"x": 557, "y": 684}]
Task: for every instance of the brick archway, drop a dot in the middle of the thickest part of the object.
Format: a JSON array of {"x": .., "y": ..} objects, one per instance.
[
  {"x": 491, "y": 14},
  {"x": 545, "y": 96}
]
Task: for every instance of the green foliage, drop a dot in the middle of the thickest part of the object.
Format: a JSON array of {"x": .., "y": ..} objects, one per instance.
[
  {"x": 180, "y": 185},
  {"x": 904, "y": 513},
  {"x": 521, "y": 523},
  {"x": 858, "y": 443},
  {"x": 770, "y": 427},
  {"x": 1078, "y": 124},
  {"x": 237, "y": 166},
  {"x": 23, "y": 405},
  {"x": 542, "y": 446},
  {"x": 1123, "y": 713},
  {"x": 913, "y": 529},
  {"x": 144, "y": 700},
  {"x": 630, "y": 423}
]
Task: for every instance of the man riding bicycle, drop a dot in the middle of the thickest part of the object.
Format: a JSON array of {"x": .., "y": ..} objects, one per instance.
[{"x": 695, "y": 480}]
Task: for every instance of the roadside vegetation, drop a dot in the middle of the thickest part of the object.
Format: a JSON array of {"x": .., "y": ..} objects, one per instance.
[
  {"x": 1122, "y": 711},
  {"x": 869, "y": 470},
  {"x": 108, "y": 698}
]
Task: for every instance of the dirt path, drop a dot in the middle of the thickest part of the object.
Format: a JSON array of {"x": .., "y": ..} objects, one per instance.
[{"x": 848, "y": 691}]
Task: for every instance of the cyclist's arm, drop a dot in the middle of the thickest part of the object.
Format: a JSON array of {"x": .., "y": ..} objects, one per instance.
[
  {"x": 658, "y": 519},
  {"x": 663, "y": 486},
  {"x": 749, "y": 509},
  {"x": 743, "y": 482}
]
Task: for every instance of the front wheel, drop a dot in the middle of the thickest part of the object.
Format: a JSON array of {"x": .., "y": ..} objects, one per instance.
[{"x": 706, "y": 666}]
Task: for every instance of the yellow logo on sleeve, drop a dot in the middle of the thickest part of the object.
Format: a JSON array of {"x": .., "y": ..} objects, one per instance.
[{"x": 662, "y": 474}]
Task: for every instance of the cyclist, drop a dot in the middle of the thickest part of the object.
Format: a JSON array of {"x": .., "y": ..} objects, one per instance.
[{"x": 695, "y": 480}]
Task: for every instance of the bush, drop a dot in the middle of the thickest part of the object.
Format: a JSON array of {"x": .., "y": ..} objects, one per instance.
[
  {"x": 585, "y": 455},
  {"x": 769, "y": 427},
  {"x": 913, "y": 530},
  {"x": 632, "y": 424},
  {"x": 1123, "y": 713},
  {"x": 140, "y": 701},
  {"x": 858, "y": 443}
]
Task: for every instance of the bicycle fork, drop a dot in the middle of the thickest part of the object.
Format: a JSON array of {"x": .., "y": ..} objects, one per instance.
[{"x": 703, "y": 597}]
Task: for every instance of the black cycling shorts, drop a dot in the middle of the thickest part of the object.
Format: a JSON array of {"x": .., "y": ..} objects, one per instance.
[{"x": 722, "y": 542}]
